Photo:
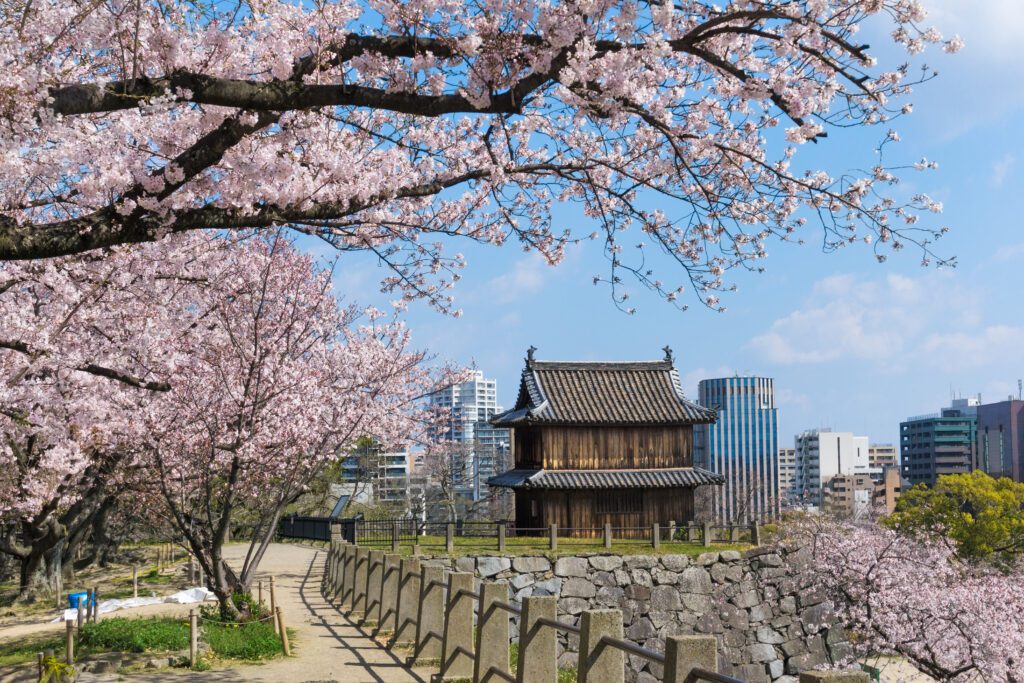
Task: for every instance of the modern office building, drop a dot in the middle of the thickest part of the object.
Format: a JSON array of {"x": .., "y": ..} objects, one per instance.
[
  {"x": 1000, "y": 439},
  {"x": 472, "y": 404},
  {"x": 883, "y": 455},
  {"x": 742, "y": 445},
  {"x": 940, "y": 443},
  {"x": 377, "y": 475},
  {"x": 821, "y": 454},
  {"x": 787, "y": 475}
]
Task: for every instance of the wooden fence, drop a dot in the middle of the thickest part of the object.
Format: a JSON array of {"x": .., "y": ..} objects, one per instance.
[
  {"x": 450, "y": 619},
  {"x": 394, "y": 533}
]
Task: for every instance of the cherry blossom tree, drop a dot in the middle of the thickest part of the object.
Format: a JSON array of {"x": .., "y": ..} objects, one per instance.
[
  {"x": 82, "y": 350},
  {"x": 277, "y": 382},
  {"x": 398, "y": 128},
  {"x": 954, "y": 620}
]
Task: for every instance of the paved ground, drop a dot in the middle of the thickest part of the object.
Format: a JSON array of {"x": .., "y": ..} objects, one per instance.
[{"x": 328, "y": 647}]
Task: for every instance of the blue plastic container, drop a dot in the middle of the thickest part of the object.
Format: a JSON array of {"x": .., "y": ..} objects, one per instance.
[{"x": 75, "y": 599}]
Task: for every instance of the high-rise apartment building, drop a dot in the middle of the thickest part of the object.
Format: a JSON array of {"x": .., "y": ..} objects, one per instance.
[
  {"x": 787, "y": 475},
  {"x": 742, "y": 445},
  {"x": 821, "y": 454},
  {"x": 883, "y": 455},
  {"x": 472, "y": 404},
  {"x": 1000, "y": 439},
  {"x": 376, "y": 475},
  {"x": 940, "y": 443}
]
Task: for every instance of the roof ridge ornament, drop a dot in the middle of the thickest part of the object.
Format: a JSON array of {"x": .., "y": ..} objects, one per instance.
[
  {"x": 529, "y": 356},
  {"x": 668, "y": 353}
]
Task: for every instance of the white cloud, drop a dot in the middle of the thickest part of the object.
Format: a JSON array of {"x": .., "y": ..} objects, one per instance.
[
  {"x": 975, "y": 348},
  {"x": 990, "y": 28},
  {"x": 690, "y": 379},
  {"x": 1009, "y": 252},
  {"x": 527, "y": 276},
  {"x": 848, "y": 317},
  {"x": 1001, "y": 168}
]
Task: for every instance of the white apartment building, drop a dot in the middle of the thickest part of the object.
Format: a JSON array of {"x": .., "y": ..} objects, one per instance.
[
  {"x": 787, "y": 474},
  {"x": 822, "y": 454},
  {"x": 472, "y": 404}
]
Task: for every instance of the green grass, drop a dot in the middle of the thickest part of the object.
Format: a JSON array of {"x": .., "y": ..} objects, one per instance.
[
  {"x": 25, "y": 649},
  {"x": 252, "y": 641},
  {"x": 567, "y": 675},
  {"x": 161, "y": 634}
]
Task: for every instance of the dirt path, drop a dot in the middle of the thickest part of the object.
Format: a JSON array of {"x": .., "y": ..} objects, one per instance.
[{"x": 328, "y": 646}]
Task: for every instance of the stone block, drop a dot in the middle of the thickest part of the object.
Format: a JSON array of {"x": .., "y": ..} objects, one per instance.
[
  {"x": 572, "y": 566},
  {"x": 850, "y": 676},
  {"x": 531, "y": 564},
  {"x": 753, "y": 673},
  {"x": 766, "y": 634},
  {"x": 730, "y": 556},
  {"x": 708, "y": 623},
  {"x": 805, "y": 662},
  {"x": 573, "y": 605},
  {"x": 733, "y": 638},
  {"x": 640, "y": 577},
  {"x": 641, "y": 629},
  {"x": 487, "y": 567},
  {"x": 695, "y": 602},
  {"x": 621, "y": 577},
  {"x": 809, "y": 596},
  {"x": 761, "y": 612},
  {"x": 675, "y": 563},
  {"x": 548, "y": 587},
  {"x": 794, "y": 647},
  {"x": 520, "y": 581},
  {"x": 747, "y": 599},
  {"x": 665, "y": 598},
  {"x": 788, "y": 605},
  {"x": 817, "y": 617},
  {"x": 610, "y": 596},
  {"x": 761, "y": 652},
  {"x": 664, "y": 577},
  {"x": 771, "y": 560},
  {"x": 641, "y": 562},
  {"x": 465, "y": 564},
  {"x": 603, "y": 579},
  {"x": 695, "y": 580},
  {"x": 659, "y": 619},
  {"x": 578, "y": 588},
  {"x": 635, "y": 592},
  {"x": 776, "y": 668},
  {"x": 707, "y": 559},
  {"x": 605, "y": 563}
]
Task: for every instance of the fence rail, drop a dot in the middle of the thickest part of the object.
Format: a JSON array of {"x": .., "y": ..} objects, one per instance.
[{"x": 395, "y": 533}]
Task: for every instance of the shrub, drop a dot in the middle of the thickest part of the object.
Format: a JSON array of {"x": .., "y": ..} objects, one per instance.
[
  {"x": 250, "y": 640},
  {"x": 136, "y": 635}
]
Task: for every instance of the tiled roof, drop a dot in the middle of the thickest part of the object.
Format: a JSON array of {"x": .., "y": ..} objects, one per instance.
[
  {"x": 606, "y": 479},
  {"x": 602, "y": 393}
]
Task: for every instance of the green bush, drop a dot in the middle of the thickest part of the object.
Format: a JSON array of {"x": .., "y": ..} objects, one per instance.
[
  {"x": 161, "y": 634},
  {"x": 251, "y": 640}
]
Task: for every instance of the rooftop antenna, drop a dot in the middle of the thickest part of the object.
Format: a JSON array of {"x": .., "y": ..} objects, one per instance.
[{"x": 1020, "y": 388}]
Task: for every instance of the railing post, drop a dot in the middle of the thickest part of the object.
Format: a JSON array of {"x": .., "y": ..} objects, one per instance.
[
  {"x": 691, "y": 531},
  {"x": 374, "y": 578},
  {"x": 449, "y": 538},
  {"x": 537, "y": 644},
  {"x": 683, "y": 654},
  {"x": 598, "y": 662},
  {"x": 755, "y": 533},
  {"x": 457, "y": 650},
  {"x": 707, "y": 534},
  {"x": 656, "y": 536},
  {"x": 359, "y": 589},
  {"x": 389, "y": 594},
  {"x": 734, "y": 533},
  {"x": 135, "y": 581},
  {"x": 273, "y": 602},
  {"x": 349, "y": 576},
  {"x": 492, "y": 635},
  {"x": 671, "y": 530},
  {"x": 408, "y": 603},
  {"x": 607, "y": 536},
  {"x": 501, "y": 537},
  {"x": 430, "y": 616},
  {"x": 553, "y": 537}
]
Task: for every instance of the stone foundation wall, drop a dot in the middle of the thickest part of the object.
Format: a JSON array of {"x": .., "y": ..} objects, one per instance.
[{"x": 770, "y": 625}]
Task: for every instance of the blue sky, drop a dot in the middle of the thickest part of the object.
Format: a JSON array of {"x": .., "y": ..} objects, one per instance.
[{"x": 852, "y": 344}]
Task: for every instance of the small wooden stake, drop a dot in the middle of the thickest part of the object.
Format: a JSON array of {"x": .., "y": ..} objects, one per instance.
[
  {"x": 259, "y": 593},
  {"x": 283, "y": 632},
  {"x": 69, "y": 646},
  {"x": 135, "y": 581},
  {"x": 81, "y": 610},
  {"x": 39, "y": 664},
  {"x": 95, "y": 604},
  {"x": 193, "y": 637},
  {"x": 273, "y": 601}
]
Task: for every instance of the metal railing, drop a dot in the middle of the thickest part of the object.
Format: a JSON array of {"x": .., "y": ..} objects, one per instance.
[{"x": 451, "y": 618}]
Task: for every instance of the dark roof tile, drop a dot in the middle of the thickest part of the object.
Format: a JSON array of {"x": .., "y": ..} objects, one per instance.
[{"x": 677, "y": 477}]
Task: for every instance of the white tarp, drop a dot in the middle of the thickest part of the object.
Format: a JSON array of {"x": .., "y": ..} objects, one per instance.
[{"x": 187, "y": 596}]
